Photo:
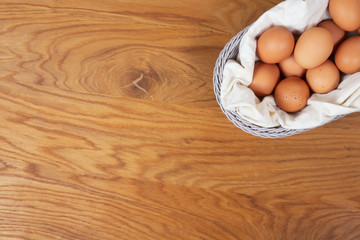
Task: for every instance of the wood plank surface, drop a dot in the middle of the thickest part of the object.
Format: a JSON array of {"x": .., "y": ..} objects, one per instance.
[{"x": 109, "y": 129}]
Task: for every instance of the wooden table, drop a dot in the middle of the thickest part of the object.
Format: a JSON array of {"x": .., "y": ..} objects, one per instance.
[{"x": 110, "y": 130}]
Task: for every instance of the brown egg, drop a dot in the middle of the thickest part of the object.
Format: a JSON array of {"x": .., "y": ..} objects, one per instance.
[
  {"x": 265, "y": 78},
  {"x": 345, "y": 13},
  {"x": 275, "y": 44},
  {"x": 337, "y": 33},
  {"x": 323, "y": 78},
  {"x": 289, "y": 68},
  {"x": 291, "y": 94},
  {"x": 313, "y": 47},
  {"x": 347, "y": 56}
]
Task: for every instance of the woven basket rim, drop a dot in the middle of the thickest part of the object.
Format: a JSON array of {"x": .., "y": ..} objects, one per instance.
[{"x": 230, "y": 51}]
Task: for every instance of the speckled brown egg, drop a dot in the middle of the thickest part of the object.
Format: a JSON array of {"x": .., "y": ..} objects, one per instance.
[
  {"x": 313, "y": 47},
  {"x": 323, "y": 78},
  {"x": 275, "y": 44},
  {"x": 291, "y": 94},
  {"x": 345, "y": 13},
  {"x": 347, "y": 56},
  {"x": 265, "y": 78}
]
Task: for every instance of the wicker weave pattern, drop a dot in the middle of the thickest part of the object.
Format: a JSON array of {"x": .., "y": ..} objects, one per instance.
[{"x": 230, "y": 51}]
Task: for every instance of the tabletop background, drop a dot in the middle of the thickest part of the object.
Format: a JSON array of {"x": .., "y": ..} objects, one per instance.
[{"x": 109, "y": 129}]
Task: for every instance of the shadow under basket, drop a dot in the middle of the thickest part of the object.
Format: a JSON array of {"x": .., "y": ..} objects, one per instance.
[{"x": 230, "y": 51}]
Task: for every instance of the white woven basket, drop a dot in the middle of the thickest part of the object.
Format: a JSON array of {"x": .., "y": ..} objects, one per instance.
[{"x": 230, "y": 51}]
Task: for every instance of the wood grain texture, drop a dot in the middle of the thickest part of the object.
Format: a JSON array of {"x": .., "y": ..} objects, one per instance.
[{"x": 109, "y": 129}]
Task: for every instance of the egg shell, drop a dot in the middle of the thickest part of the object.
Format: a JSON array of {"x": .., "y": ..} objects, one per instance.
[
  {"x": 265, "y": 78},
  {"x": 323, "y": 78},
  {"x": 347, "y": 56},
  {"x": 345, "y": 13},
  {"x": 313, "y": 47},
  {"x": 289, "y": 68},
  {"x": 291, "y": 94},
  {"x": 275, "y": 44},
  {"x": 336, "y": 32}
]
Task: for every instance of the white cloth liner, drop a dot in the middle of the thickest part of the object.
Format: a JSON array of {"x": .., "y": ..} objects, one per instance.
[{"x": 297, "y": 16}]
